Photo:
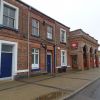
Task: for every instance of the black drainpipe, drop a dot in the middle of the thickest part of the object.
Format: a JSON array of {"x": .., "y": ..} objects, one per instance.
[{"x": 54, "y": 58}]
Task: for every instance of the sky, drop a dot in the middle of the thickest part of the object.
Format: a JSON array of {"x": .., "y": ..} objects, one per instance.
[{"x": 76, "y": 14}]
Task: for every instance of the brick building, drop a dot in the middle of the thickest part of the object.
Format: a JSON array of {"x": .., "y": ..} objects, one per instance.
[
  {"x": 84, "y": 50},
  {"x": 29, "y": 40},
  {"x": 32, "y": 42}
]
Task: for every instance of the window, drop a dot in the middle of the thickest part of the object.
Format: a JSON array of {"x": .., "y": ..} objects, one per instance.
[
  {"x": 9, "y": 15},
  {"x": 35, "y": 27},
  {"x": 7, "y": 48},
  {"x": 63, "y": 58},
  {"x": 74, "y": 59},
  {"x": 49, "y": 32},
  {"x": 63, "y": 35},
  {"x": 35, "y": 58}
]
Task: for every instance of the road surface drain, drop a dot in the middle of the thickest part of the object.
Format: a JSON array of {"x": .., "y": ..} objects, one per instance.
[{"x": 52, "y": 96}]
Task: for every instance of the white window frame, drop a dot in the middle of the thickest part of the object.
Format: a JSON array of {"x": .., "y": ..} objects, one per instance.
[
  {"x": 61, "y": 29},
  {"x": 35, "y": 66},
  {"x": 38, "y": 28},
  {"x": 2, "y": 3},
  {"x": 51, "y": 34},
  {"x": 64, "y": 64}
]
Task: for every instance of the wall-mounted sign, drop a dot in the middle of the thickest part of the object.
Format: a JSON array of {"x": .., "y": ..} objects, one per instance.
[{"x": 74, "y": 45}]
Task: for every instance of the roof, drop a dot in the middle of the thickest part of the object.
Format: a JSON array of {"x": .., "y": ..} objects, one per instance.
[
  {"x": 80, "y": 30},
  {"x": 80, "y": 33}
]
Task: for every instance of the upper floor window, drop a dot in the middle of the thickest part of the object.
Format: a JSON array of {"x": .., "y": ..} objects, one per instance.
[
  {"x": 63, "y": 35},
  {"x": 35, "y": 27},
  {"x": 9, "y": 15},
  {"x": 49, "y": 32}
]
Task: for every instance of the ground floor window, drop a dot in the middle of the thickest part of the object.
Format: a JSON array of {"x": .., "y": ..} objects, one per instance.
[
  {"x": 63, "y": 58},
  {"x": 35, "y": 58},
  {"x": 74, "y": 59}
]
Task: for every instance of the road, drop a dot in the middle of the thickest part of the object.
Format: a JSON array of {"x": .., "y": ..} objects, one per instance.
[{"x": 92, "y": 92}]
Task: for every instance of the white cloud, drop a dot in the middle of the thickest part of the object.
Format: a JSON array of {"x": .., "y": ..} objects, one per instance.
[{"x": 75, "y": 14}]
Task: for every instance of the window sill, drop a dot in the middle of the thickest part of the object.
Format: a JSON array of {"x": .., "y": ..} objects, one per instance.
[
  {"x": 8, "y": 28},
  {"x": 63, "y": 42},
  {"x": 49, "y": 39},
  {"x": 38, "y": 69},
  {"x": 35, "y": 36},
  {"x": 63, "y": 65}
]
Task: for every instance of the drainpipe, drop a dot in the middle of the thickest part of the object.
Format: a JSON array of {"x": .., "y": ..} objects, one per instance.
[
  {"x": 46, "y": 58},
  {"x": 55, "y": 49},
  {"x": 54, "y": 58},
  {"x": 28, "y": 40}
]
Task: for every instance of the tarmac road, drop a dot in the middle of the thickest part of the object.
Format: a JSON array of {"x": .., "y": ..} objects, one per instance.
[{"x": 92, "y": 92}]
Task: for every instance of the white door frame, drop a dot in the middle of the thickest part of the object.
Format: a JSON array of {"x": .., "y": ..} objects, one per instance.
[
  {"x": 14, "y": 57},
  {"x": 49, "y": 53}
]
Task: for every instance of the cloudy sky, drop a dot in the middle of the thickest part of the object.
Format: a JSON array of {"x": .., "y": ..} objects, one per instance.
[{"x": 84, "y": 14}]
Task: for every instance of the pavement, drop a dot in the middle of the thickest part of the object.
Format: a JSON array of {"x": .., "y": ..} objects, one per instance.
[{"x": 48, "y": 87}]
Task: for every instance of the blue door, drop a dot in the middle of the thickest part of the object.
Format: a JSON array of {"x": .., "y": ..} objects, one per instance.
[
  {"x": 49, "y": 63},
  {"x": 6, "y": 65}
]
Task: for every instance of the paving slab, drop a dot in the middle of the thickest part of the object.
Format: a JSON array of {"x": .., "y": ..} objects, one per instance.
[
  {"x": 45, "y": 87},
  {"x": 26, "y": 92},
  {"x": 10, "y": 84},
  {"x": 82, "y": 76},
  {"x": 64, "y": 83}
]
